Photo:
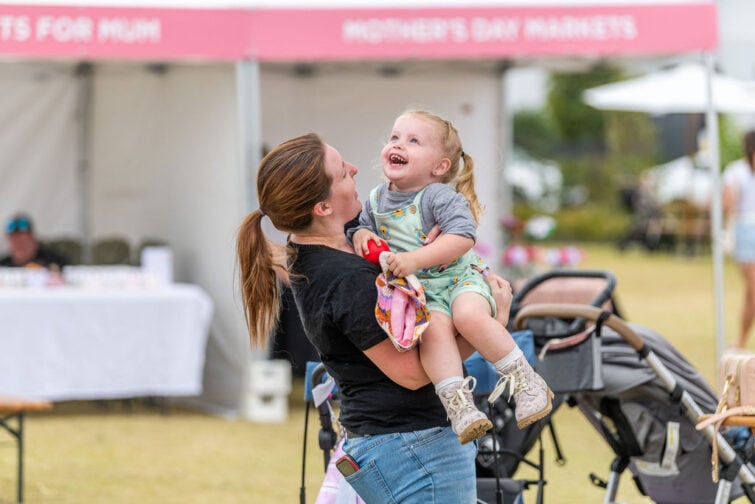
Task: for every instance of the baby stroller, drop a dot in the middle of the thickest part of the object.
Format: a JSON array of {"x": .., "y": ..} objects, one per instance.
[
  {"x": 505, "y": 447},
  {"x": 639, "y": 393}
]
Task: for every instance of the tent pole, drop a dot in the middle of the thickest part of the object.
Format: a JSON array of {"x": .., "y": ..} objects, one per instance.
[
  {"x": 84, "y": 72},
  {"x": 250, "y": 122},
  {"x": 505, "y": 196},
  {"x": 711, "y": 124},
  {"x": 505, "y": 201},
  {"x": 248, "y": 98}
]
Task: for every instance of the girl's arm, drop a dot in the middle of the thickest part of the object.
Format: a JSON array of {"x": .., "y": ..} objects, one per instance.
[
  {"x": 446, "y": 248},
  {"x": 450, "y": 211}
]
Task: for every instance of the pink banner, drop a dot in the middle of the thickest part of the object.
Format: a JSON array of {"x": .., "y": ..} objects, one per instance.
[
  {"x": 123, "y": 33},
  {"x": 353, "y": 34},
  {"x": 483, "y": 32}
]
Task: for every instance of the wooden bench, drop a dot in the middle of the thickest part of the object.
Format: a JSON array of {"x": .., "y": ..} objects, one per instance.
[{"x": 13, "y": 407}]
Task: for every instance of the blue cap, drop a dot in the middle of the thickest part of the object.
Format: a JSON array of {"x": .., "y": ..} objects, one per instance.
[{"x": 19, "y": 223}]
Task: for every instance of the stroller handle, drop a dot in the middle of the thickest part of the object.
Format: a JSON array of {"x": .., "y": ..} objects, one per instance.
[{"x": 585, "y": 312}]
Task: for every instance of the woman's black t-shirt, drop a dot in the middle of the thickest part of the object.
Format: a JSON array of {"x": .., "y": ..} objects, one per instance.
[{"x": 335, "y": 294}]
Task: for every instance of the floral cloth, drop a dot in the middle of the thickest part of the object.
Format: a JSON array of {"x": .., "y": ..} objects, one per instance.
[{"x": 401, "y": 309}]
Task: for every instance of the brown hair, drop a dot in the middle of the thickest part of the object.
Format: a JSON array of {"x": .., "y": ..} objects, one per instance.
[
  {"x": 748, "y": 145},
  {"x": 281, "y": 178},
  {"x": 453, "y": 150}
]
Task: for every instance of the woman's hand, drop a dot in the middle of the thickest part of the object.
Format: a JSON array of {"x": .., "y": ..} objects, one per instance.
[
  {"x": 433, "y": 234},
  {"x": 501, "y": 291}
]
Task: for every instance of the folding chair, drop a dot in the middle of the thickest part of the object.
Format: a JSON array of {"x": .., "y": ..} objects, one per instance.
[{"x": 318, "y": 387}]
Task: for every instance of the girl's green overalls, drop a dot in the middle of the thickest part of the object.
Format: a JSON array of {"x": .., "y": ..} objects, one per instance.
[{"x": 402, "y": 229}]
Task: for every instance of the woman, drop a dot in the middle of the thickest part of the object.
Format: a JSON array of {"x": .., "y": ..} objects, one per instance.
[
  {"x": 398, "y": 437},
  {"x": 739, "y": 205}
]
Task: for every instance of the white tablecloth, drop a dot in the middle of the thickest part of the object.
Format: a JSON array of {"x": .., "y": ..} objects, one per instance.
[{"x": 63, "y": 343}]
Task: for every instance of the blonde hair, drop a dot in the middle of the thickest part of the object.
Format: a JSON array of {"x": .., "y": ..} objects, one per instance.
[
  {"x": 295, "y": 164},
  {"x": 452, "y": 149}
]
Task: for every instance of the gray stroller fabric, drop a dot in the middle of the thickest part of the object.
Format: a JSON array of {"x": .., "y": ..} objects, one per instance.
[
  {"x": 623, "y": 369},
  {"x": 648, "y": 408}
]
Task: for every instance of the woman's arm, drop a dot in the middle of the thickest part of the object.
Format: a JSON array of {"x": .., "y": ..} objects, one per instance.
[
  {"x": 404, "y": 368},
  {"x": 729, "y": 200}
]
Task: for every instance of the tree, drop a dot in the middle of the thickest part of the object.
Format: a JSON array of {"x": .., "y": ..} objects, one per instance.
[{"x": 576, "y": 121}]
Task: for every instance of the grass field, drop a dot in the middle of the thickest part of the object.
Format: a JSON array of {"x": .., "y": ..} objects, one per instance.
[{"x": 117, "y": 454}]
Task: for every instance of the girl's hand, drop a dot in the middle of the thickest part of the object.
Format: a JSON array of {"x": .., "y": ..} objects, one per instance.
[
  {"x": 402, "y": 265},
  {"x": 360, "y": 239}
]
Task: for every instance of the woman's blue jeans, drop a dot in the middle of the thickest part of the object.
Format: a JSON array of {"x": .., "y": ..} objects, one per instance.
[{"x": 420, "y": 467}]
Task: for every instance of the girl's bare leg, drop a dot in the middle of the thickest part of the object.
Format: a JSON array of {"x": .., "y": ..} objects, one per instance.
[
  {"x": 441, "y": 360},
  {"x": 438, "y": 350},
  {"x": 472, "y": 317}
]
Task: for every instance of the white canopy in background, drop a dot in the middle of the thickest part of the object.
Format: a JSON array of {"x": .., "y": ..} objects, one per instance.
[
  {"x": 159, "y": 133},
  {"x": 681, "y": 89}
]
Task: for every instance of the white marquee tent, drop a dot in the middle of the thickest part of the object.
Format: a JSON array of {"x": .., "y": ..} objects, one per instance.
[
  {"x": 147, "y": 119},
  {"x": 680, "y": 89}
]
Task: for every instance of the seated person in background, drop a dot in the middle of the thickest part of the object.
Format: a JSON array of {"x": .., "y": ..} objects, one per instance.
[{"x": 25, "y": 250}]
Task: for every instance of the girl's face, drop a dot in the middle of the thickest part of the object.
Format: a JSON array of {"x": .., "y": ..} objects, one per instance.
[
  {"x": 343, "y": 198},
  {"x": 413, "y": 157}
]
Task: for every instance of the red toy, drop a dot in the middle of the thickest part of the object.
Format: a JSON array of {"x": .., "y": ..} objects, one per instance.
[{"x": 374, "y": 250}]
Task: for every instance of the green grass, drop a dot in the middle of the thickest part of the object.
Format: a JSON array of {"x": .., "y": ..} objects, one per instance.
[{"x": 87, "y": 453}]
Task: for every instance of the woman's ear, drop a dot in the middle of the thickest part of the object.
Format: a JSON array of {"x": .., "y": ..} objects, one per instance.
[
  {"x": 442, "y": 167},
  {"x": 322, "y": 209}
]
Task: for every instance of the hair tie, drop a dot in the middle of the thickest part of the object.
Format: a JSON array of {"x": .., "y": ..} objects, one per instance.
[
  {"x": 462, "y": 153},
  {"x": 262, "y": 212}
]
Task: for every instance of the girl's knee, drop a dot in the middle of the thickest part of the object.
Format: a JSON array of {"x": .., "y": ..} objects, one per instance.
[
  {"x": 468, "y": 318},
  {"x": 470, "y": 310}
]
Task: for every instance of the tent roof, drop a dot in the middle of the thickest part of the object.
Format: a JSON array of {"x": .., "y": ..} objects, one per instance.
[
  {"x": 334, "y": 30},
  {"x": 681, "y": 89}
]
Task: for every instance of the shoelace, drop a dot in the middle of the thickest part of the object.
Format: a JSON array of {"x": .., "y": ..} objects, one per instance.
[
  {"x": 517, "y": 382},
  {"x": 457, "y": 399}
]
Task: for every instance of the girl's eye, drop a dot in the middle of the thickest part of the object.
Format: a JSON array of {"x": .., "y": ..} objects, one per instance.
[
  {"x": 414, "y": 140},
  {"x": 394, "y": 138}
]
